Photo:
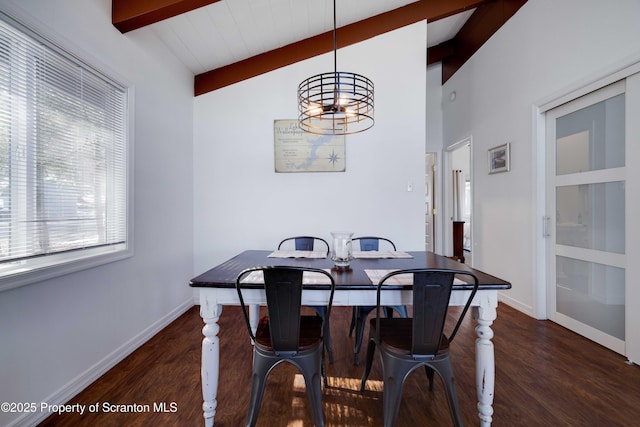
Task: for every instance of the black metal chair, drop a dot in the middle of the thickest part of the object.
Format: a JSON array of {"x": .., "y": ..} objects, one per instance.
[
  {"x": 285, "y": 335},
  {"x": 408, "y": 343},
  {"x": 359, "y": 314},
  {"x": 304, "y": 243},
  {"x": 372, "y": 243},
  {"x": 307, "y": 243}
]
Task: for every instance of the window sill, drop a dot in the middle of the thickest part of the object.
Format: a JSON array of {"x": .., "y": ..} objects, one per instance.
[{"x": 22, "y": 273}]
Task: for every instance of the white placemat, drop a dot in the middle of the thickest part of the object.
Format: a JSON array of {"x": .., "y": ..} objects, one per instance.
[
  {"x": 380, "y": 254},
  {"x": 401, "y": 279},
  {"x": 297, "y": 254},
  {"x": 308, "y": 278}
]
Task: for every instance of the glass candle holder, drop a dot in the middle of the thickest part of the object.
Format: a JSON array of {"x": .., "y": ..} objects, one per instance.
[{"x": 342, "y": 252}]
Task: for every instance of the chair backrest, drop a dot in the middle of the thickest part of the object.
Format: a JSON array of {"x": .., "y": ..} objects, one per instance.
[
  {"x": 283, "y": 288},
  {"x": 306, "y": 243},
  {"x": 431, "y": 292},
  {"x": 372, "y": 243}
]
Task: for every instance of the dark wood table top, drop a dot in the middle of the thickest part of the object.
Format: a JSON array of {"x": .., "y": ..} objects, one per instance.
[{"x": 224, "y": 275}]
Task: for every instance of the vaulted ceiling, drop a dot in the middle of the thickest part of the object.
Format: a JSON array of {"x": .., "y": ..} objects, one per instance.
[{"x": 226, "y": 41}]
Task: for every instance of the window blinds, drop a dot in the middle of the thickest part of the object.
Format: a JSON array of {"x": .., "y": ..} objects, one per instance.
[{"x": 63, "y": 150}]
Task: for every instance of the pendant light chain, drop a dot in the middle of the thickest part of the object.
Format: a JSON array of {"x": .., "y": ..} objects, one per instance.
[{"x": 335, "y": 38}]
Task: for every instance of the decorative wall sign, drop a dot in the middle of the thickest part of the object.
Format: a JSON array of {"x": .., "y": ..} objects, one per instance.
[
  {"x": 300, "y": 151},
  {"x": 500, "y": 158}
]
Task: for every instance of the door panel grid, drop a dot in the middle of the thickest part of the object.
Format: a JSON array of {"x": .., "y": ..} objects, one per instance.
[{"x": 586, "y": 195}]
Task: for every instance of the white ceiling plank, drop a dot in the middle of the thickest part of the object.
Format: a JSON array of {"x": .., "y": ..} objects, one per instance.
[
  {"x": 263, "y": 36},
  {"x": 173, "y": 34},
  {"x": 208, "y": 42},
  {"x": 245, "y": 24},
  {"x": 285, "y": 21},
  {"x": 229, "y": 31},
  {"x": 445, "y": 29}
]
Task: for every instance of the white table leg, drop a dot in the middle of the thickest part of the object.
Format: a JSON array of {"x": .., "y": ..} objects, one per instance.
[
  {"x": 485, "y": 314},
  {"x": 254, "y": 315},
  {"x": 210, "y": 360}
]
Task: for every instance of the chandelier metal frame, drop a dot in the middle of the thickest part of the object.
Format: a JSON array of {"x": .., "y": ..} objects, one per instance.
[{"x": 335, "y": 103}]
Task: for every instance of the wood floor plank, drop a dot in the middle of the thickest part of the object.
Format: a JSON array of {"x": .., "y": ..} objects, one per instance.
[{"x": 545, "y": 376}]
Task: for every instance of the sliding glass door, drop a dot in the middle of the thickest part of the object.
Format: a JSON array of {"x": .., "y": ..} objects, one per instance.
[{"x": 586, "y": 200}]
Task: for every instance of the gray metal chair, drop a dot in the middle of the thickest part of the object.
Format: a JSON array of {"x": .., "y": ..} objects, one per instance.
[
  {"x": 307, "y": 243},
  {"x": 408, "y": 343},
  {"x": 284, "y": 335},
  {"x": 359, "y": 314}
]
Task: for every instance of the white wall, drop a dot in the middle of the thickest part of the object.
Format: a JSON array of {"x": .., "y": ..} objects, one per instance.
[
  {"x": 240, "y": 202},
  {"x": 544, "y": 49},
  {"x": 57, "y": 336}
]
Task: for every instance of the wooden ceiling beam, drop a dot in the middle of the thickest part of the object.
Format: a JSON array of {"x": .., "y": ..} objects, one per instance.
[
  {"x": 129, "y": 15},
  {"x": 480, "y": 26},
  {"x": 440, "y": 51},
  {"x": 489, "y": 16},
  {"x": 429, "y": 10}
]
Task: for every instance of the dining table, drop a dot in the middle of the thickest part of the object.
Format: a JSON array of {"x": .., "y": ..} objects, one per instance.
[{"x": 355, "y": 286}]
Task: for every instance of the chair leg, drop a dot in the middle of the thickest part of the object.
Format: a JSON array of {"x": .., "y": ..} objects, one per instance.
[
  {"x": 322, "y": 312},
  {"x": 354, "y": 316},
  {"x": 371, "y": 349},
  {"x": 359, "y": 321},
  {"x": 357, "y": 346},
  {"x": 445, "y": 370},
  {"x": 323, "y": 369},
  {"x": 430, "y": 376},
  {"x": 394, "y": 373},
  {"x": 309, "y": 368},
  {"x": 327, "y": 338},
  {"x": 360, "y": 324},
  {"x": 261, "y": 367},
  {"x": 401, "y": 309}
]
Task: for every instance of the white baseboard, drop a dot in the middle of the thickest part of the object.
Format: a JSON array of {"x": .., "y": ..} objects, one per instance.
[
  {"x": 75, "y": 386},
  {"x": 526, "y": 309}
]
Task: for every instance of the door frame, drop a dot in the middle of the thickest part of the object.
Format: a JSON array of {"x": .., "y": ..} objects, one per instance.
[{"x": 432, "y": 194}]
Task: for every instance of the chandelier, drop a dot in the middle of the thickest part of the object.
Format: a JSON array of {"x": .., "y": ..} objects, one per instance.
[{"x": 335, "y": 103}]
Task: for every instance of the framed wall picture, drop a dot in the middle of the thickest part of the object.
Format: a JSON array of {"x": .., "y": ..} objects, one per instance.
[
  {"x": 299, "y": 151},
  {"x": 500, "y": 158}
]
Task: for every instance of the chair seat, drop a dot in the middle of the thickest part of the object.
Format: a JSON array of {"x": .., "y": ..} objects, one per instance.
[
  {"x": 359, "y": 321},
  {"x": 396, "y": 333},
  {"x": 310, "y": 333}
]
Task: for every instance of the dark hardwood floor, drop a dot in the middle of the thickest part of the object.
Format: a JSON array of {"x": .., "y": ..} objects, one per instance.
[{"x": 545, "y": 376}]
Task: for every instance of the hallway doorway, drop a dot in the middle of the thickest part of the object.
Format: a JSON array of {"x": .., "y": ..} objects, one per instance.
[{"x": 458, "y": 198}]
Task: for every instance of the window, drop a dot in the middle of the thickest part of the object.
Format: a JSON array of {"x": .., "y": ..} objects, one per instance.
[{"x": 63, "y": 161}]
